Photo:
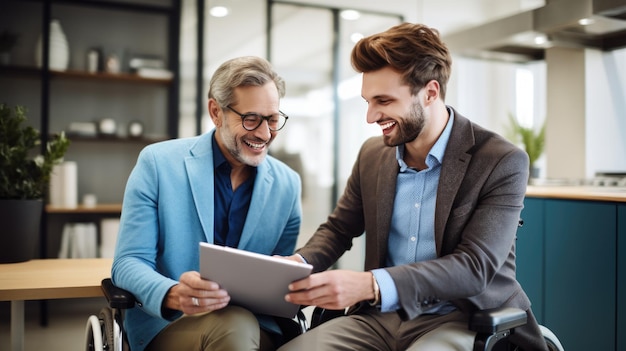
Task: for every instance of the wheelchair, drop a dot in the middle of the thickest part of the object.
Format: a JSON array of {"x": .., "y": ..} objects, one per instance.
[
  {"x": 492, "y": 326},
  {"x": 105, "y": 332}
]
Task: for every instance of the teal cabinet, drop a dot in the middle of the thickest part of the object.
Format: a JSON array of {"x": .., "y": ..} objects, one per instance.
[
  {"x": 571, "y": 261},
  {"x": 621, "y": 278},
  {"x": 580, "y": 271}
]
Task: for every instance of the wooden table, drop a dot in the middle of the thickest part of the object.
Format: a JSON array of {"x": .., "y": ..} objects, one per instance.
[{"x": 48, "y": 279}]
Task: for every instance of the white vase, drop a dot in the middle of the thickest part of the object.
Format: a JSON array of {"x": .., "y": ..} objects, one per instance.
[{"x": 59, "y": 48}]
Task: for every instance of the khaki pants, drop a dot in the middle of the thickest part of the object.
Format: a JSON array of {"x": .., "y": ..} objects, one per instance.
[
  {"x": 372, "y": 330},
  {"x": 229, "y": 329}
]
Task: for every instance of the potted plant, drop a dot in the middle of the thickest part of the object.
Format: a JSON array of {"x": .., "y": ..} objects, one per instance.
[
  {"x": 532, "y": 140},
  {"x": 24, "y": 180}
]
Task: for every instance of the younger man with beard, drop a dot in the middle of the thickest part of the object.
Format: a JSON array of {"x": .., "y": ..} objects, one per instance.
[{"x": 438, "y": 198}]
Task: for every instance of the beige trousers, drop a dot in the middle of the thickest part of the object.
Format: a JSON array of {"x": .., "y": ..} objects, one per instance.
[
  {"x": 372, "y": 330},
  {"x": 229, "y": 329}
]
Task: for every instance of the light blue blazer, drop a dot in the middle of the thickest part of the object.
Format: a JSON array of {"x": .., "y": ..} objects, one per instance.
[{"x": 168, "y": 210}]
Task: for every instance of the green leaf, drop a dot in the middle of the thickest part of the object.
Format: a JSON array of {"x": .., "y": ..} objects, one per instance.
[
  {"x": 533, "y": 141},
  {"x": 25, "y": 174}
]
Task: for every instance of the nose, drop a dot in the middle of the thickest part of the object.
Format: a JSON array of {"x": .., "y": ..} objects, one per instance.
[
  {"x": 263, "y": 131},
  {"x": 372, "y": 115}
]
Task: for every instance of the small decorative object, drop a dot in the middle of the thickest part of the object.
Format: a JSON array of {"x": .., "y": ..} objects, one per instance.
[
  {"x": 94, "y": 56},
  {"x": 135, "y": 129},
  {"x": 8, "y": 40},
  {"x": 113, "y": 64},
  {"x": 533, "y": 141},
  {"x": 107, "y": 127},
  {"x": 85, "y": 129},
  {"x": 59, "y": 57},
  {"x": 24, "y": 181},
  {"x": 90, "y": 200},
  {"x": 63, "y": 190}
]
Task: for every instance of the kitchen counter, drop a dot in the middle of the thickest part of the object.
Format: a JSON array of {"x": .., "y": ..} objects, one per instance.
[
  {"x": 593, "y": 193},
  {"x": 570, "y": 250}
]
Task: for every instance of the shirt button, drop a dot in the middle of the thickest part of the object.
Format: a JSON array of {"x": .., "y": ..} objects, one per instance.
[
  {"x": 417, "y": 205},
  {"x": 413, "y": 238}
]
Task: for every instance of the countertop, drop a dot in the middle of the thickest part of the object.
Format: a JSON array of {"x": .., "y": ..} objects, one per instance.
[{"x": 593, "y": 193}]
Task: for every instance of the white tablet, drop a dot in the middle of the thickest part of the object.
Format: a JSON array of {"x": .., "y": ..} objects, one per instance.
[{"x": 255, "y": 281}]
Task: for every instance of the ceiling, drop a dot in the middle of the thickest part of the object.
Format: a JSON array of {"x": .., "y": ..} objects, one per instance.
[
  {"x": 525, "y": 36},
  {"x": 508, "y": 30},
  {"x": 445, "y": 15},
  {"x": 488, "y": 29}
]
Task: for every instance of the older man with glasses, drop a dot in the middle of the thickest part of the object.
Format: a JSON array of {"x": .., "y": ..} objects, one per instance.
[{"x": 220, "y": 187}]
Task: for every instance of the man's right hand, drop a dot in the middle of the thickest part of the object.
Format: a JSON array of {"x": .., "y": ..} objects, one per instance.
[{"x": 194, "y": 295}]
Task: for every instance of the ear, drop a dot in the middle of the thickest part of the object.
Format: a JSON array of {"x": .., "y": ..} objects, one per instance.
[
  {"x": 431, "y": 91},
  {"x": 215, "y": 112}
]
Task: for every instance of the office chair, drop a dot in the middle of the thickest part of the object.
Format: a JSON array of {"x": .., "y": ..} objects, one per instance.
[{"x": 105, "y": 332}]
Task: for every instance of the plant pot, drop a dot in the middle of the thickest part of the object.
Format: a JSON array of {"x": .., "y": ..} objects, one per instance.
[{"x": 19, "y": 233}]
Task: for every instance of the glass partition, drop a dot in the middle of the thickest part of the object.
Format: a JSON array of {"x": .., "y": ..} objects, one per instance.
[{"x": 310, "y": 47}]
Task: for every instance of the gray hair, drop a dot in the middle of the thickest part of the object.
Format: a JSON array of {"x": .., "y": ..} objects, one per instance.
[{"x": 242, "y": 71}]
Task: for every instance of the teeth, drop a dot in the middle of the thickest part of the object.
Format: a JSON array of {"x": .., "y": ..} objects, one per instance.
[
  {"x": 387, "y": 125},
  {"x": 255, "y": 146}
]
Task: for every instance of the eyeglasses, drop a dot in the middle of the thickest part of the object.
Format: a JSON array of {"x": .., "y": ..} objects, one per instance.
[{"x": 252, "y": 121}]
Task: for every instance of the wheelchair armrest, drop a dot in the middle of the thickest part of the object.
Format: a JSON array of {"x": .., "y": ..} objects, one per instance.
[
  {"x": 117, "y": 297},
  {"x": 321, "y": 315},
  {"x": 495, "y": 320}
]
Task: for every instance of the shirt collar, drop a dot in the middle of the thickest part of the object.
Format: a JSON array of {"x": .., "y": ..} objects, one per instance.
[
  {"x": 435, "y": 155},
  {"x": 218, "y": 156}
]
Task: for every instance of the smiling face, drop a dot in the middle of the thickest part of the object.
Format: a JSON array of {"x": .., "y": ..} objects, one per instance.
[
  {"x": 391, "y": 105},
  {"x": 240, "y": 146}
]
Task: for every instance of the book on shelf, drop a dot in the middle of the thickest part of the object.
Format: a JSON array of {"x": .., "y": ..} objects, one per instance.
[{"x": 156, "y": 73}]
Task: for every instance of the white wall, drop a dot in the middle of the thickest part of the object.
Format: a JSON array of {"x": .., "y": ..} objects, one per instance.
[
  {"x": 484, "y": 91},
  {"x": 605, "y": 111}
]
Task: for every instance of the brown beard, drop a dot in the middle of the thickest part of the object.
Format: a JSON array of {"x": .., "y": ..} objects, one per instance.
[{"x": 409, "y": 127}]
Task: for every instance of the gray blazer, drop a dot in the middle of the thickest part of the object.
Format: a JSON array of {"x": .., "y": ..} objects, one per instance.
[{"x": 479, "y": 201}]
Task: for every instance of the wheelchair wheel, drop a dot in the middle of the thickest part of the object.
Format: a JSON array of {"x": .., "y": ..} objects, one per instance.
[
  {"x": 108, "y": 326},
  {"x": 99, "y": 332},
  {"x": 93, "y": 334},
  {"x": 553, "y": 342}
]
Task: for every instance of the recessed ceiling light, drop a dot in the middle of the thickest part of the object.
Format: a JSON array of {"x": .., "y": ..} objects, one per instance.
[
  {"x": 350, "y": 15},
  {"x": 219, "y": 11},
  {"x": 541, "y": 39},
  {"x": 356, "y": 37}
]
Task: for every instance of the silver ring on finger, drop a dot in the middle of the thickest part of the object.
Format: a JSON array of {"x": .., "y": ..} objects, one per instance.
[{"x": 195, "y": 301}]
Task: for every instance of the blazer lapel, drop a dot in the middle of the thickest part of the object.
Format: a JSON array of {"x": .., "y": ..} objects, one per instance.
[
  {"x": 456, "y": 161},
  {"x": 386, "y": 185},
  {"x": 200, "y": 173}
]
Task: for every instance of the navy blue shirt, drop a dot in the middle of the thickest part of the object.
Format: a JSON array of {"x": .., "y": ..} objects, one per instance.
[{"x": 231, "y": 207}]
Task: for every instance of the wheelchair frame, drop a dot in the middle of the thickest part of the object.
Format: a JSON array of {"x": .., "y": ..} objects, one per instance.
[{"x": 106, "y": 332}]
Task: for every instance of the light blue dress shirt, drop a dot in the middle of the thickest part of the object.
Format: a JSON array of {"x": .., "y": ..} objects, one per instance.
[{"x": 412, "y": 232}]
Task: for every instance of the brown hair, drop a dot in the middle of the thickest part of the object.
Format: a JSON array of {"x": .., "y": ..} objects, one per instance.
[{"x": 414, "y": 50}]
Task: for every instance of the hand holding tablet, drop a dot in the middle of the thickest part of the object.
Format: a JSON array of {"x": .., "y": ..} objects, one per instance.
[{"x": 255, "y": 281}]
